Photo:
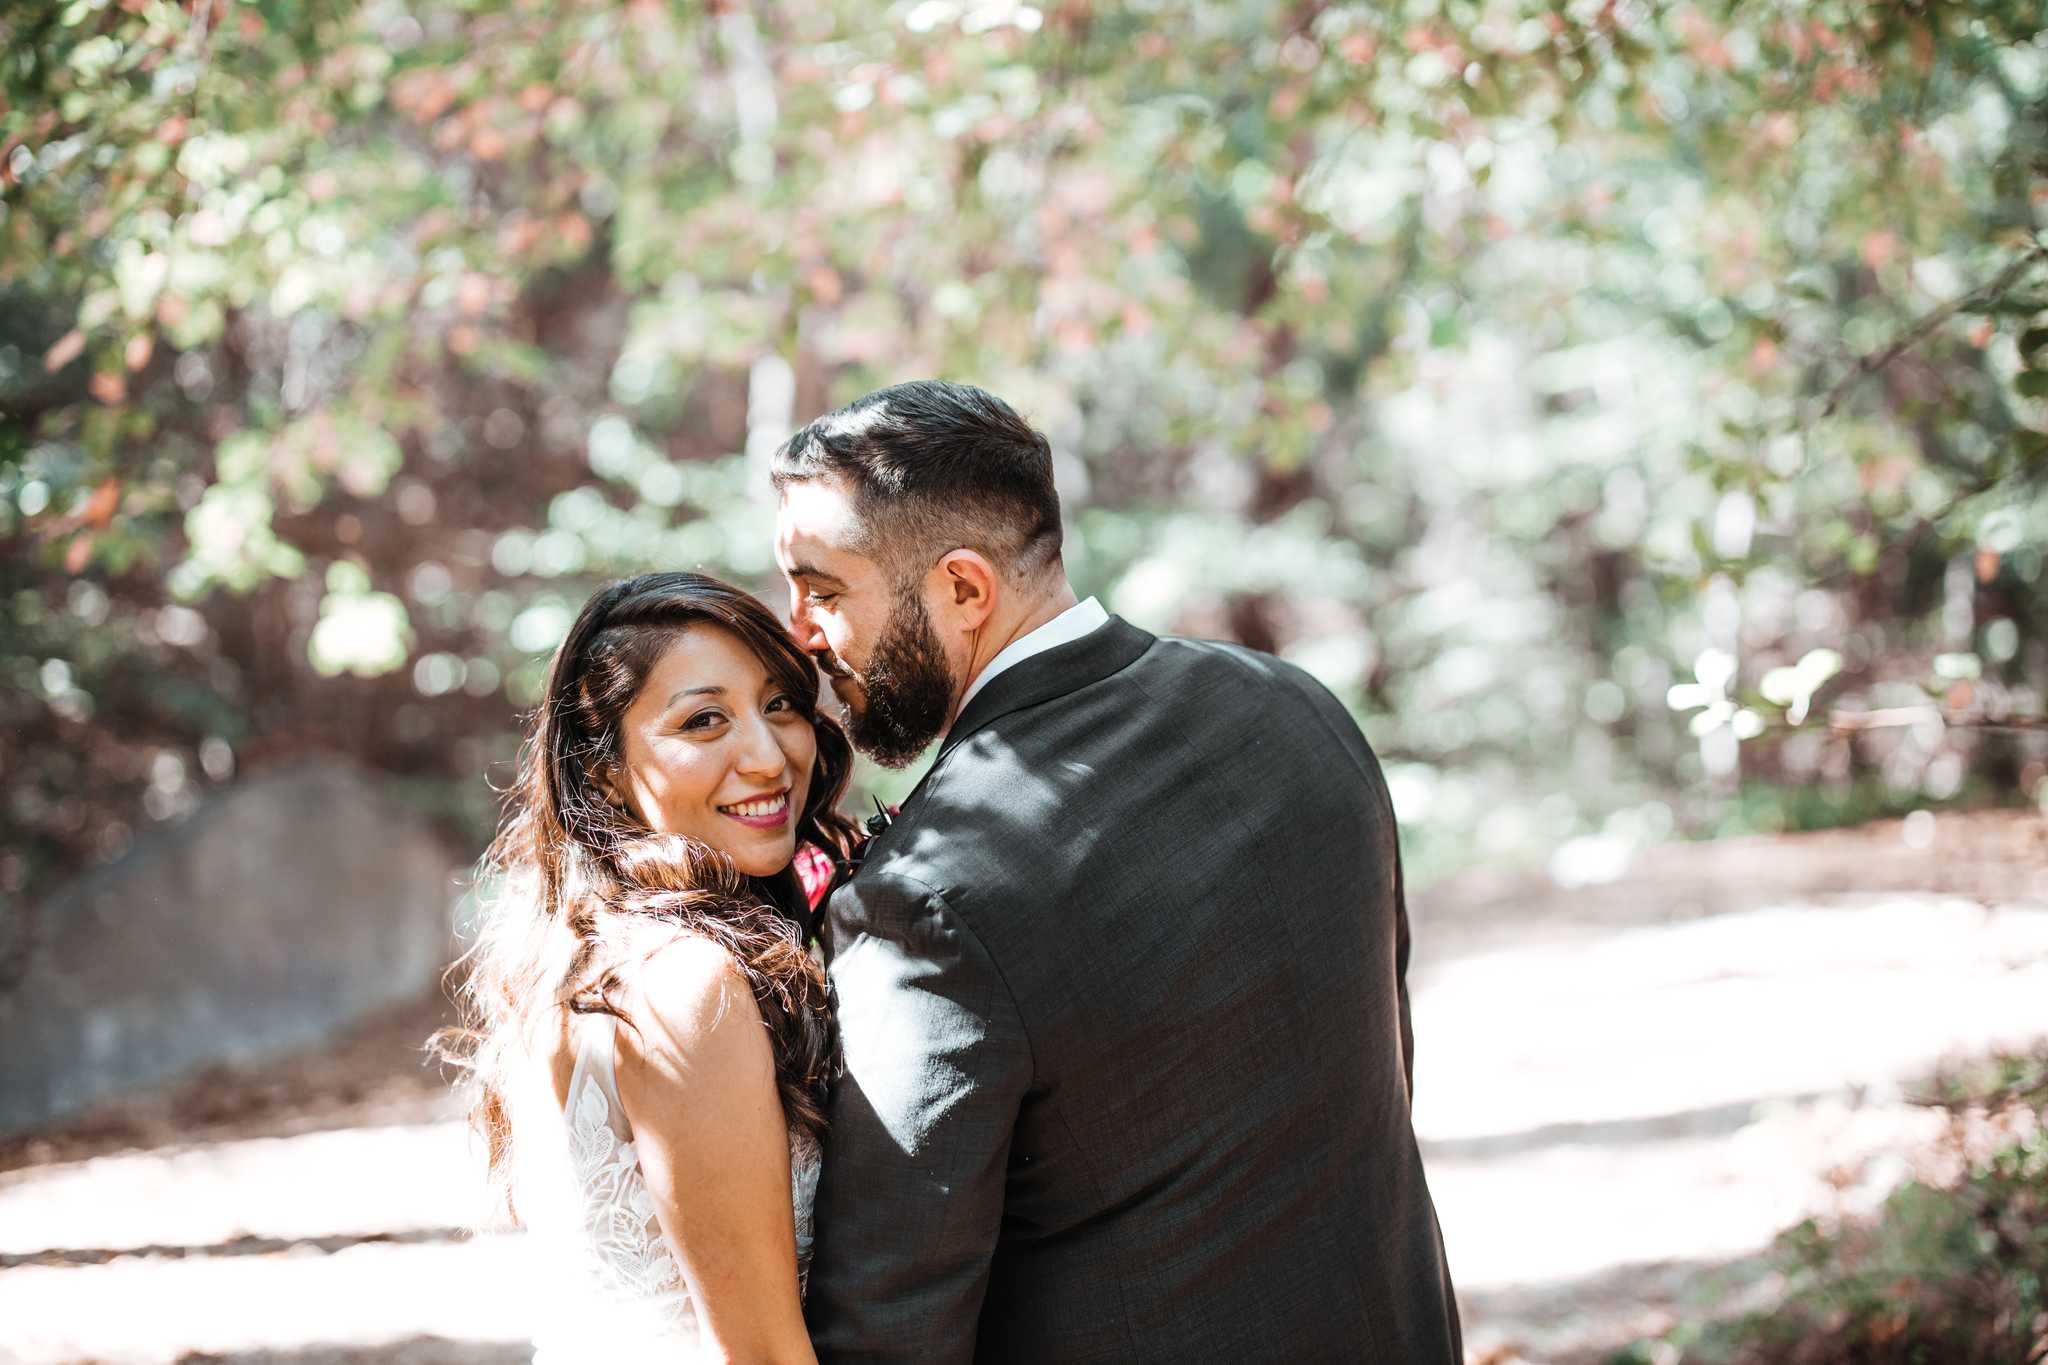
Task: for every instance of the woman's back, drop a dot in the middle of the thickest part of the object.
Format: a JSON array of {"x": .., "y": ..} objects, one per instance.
[{"x": 617, "y": 1290}]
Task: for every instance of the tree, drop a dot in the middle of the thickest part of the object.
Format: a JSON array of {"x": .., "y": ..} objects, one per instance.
[{"x": 1510, "y": 364}]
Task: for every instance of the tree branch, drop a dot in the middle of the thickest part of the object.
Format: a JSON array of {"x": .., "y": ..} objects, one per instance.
[
  {"x": 1919, "y": 331},
  {"x": 1894, "y": 717}
]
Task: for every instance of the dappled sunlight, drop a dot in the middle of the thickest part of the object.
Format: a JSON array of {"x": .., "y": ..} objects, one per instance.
[
  {"x": 1783, "y": 1000},
  {"x": 355, "y": 1236},
  {"x": 361, "y": 1297},
  {"x": 1612, "y": 1110},
  {"x": 366, "y": 1181}
]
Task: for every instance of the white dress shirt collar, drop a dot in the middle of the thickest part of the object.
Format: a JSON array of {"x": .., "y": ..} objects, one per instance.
[{"x": 1076, "y": 621}]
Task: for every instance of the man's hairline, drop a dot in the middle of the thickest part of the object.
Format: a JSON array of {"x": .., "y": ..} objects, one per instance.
[
  {"x": 865, "y": 540},
  {"x": 1027, "y": 565},
  {"x": 867, "y": 537}
]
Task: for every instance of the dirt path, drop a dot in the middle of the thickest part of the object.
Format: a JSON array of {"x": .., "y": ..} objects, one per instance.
[{"x": 1623, "y": 1092}]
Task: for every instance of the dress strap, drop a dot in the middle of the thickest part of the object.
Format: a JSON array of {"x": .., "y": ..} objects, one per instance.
[{"x": 596, "y": 1045}]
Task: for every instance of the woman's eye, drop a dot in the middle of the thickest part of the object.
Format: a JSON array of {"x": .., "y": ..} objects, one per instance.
[
  {"x": 704, "y": 720},
  {"x": 781, "y": 701}
]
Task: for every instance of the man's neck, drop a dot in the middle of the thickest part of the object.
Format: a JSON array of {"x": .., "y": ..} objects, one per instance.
[{"x": 996, "y": 637}]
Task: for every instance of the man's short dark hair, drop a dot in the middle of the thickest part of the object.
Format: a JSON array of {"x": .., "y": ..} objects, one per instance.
[{"x": 934, "y": 466}]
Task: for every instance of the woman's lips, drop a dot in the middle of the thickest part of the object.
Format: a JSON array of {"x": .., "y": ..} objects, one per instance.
[{"x": 765, "y": 812}]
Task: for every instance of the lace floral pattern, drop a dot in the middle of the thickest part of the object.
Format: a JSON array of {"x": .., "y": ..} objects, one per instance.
[
  {"x": 624, "y": 1252},
  {"x": 632, "y": 1260}
]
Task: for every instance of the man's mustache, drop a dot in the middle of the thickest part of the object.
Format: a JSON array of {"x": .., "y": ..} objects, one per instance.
[{"x": 831, "y": 666}]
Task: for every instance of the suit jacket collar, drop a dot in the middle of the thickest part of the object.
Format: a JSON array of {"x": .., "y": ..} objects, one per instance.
[
  {"x": 1066, "y": 668},
  {"x": 1041, "y": 678}
]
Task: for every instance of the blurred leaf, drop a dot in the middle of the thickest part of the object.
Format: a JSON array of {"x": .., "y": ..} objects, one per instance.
[{"x": 64, "y": 350}]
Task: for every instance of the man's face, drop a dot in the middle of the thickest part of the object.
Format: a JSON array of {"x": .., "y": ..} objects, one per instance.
[{"x": 871, "y": 633}]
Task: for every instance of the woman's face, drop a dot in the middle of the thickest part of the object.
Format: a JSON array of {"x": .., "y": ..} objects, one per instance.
[{"x": 716, "y": 749}]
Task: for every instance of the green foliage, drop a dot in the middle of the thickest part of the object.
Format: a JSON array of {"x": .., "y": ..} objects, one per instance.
[
  {"x": 1527, "y": 370},
  {"x": 1950, "y": 1271}
]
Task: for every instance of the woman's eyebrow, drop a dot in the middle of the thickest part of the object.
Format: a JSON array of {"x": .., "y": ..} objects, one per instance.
[{"x": 694, "y": 692}]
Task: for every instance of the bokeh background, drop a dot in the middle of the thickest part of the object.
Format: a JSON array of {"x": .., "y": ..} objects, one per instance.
[{"x": 1638, "y": 413}]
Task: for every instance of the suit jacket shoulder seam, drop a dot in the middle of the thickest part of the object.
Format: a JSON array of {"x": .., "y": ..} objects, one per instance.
[{"x": 1322, "y": 721}]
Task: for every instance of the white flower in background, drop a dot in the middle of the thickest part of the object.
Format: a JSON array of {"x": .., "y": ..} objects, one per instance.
[
  {"x": 1713, "y": 676},
  {"x": 1794, "y": 687}
]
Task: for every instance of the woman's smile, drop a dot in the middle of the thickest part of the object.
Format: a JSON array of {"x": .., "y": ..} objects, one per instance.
[{"x": 761, "y": 812}]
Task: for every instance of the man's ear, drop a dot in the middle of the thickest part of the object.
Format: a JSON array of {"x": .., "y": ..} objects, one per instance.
[{"x": 967, "y": 585}]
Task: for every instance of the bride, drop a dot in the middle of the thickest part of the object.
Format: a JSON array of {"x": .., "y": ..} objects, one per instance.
[{"x": 646, "y": 1034}]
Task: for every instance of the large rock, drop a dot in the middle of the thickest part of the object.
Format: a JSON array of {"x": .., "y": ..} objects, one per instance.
[{"x": 290, "y": 906}]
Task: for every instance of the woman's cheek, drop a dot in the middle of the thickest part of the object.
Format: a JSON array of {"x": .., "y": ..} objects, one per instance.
[
  {"x": 672, "y": 783},
  {"x": 803, "y": 757}
]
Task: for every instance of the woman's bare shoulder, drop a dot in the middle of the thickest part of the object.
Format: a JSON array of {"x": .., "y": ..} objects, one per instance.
[{"x": 691, "y": 1007}]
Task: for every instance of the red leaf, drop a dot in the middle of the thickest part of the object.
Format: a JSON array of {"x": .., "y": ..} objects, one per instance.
[
  {"x": 487, "y": 144},
  {"x": 100, "y": 507},
  {"x": 575, "y": 231}
]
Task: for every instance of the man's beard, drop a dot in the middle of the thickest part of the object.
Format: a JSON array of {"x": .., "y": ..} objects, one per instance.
[{"x": 907, "y": 687}]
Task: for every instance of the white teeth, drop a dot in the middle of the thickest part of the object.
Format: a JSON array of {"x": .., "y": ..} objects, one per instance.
[{"x": 770, "y": 806}]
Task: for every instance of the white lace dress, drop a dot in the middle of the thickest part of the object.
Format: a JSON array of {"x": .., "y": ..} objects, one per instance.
[{"x": 615, "y": 1292}]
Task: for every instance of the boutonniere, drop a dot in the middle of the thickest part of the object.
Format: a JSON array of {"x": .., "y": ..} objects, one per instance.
[
  {"x": 875, "y": 825},
  {"x": 881, "y": 819}
]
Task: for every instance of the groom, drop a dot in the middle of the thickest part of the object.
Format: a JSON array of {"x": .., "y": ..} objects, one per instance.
[{"x": 1121, "y": 989}]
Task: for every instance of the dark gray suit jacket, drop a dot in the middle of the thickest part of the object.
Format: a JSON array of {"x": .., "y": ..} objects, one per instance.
[{"x": 1126, "y": 1035}]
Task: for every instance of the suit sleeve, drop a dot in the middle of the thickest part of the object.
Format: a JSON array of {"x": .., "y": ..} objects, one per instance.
[
  {"x": 936, "y": 1065},
  {"x": 1344, "y": 728}
]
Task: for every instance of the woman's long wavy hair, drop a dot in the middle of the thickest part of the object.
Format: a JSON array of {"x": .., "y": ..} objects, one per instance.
[{"x": 579, "y": 889}]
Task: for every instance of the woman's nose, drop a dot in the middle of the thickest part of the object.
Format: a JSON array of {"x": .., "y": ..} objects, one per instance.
[{"x": 760, "y": 753}]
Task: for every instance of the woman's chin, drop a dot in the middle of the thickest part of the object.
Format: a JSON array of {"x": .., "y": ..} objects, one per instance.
[{"x": 766, "y": 858}]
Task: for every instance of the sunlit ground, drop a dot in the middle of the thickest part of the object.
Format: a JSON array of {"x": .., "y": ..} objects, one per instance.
[
  {"x": 1615, "y": 1120},
  {"x": 1622, "y": 1095},
  {"x": 340, "y": 1237}
]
